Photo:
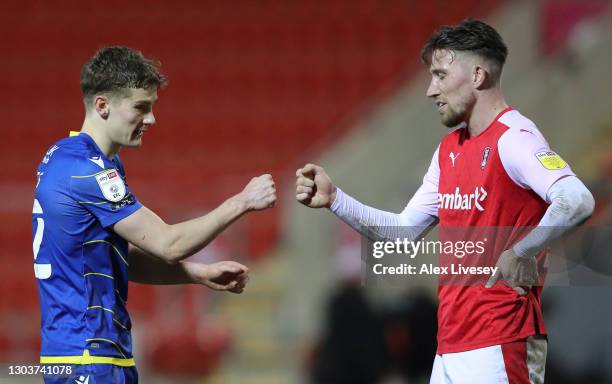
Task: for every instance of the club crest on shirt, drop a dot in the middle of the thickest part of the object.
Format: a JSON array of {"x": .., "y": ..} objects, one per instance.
[
  {"x": 485, "y": 157},
  {"x": 550, "y": 160},
  {"x": 111, "y": 184}
]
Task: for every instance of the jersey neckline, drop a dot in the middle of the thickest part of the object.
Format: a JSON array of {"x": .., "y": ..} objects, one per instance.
[{"x": 466, "y": 131}]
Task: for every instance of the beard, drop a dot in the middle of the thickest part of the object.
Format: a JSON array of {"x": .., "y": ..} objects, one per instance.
[
  {"x": 454, "y": 117},
  {"x": 459, "y": 113}
]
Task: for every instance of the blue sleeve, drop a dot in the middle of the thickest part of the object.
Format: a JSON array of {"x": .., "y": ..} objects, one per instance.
[{"x": 103, "y": 192}]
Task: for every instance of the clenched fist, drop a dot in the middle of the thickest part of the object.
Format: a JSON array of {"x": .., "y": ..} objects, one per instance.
[
  {"x": 313, "y": 187},
  {"x": 259, "y": 193}
]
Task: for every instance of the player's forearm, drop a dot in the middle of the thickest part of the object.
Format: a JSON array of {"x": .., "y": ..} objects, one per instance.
[
  {"x": 376, "y": 224},
  {"x": 186, "y": 238},
  {"x": 571, "y": 204},
  {"x": 146, "y": 269}
]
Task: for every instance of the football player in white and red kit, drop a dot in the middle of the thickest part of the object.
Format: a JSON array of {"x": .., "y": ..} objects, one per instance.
[{"x": 495, "y": 169}]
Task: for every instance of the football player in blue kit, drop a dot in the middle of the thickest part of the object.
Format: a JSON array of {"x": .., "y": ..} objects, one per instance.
[{"x": 91, "y": 234}]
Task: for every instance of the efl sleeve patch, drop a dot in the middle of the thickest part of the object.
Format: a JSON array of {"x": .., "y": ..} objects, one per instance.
[
  {"x": 550, "y": 160},
  {"x": 111, "y": 184}
]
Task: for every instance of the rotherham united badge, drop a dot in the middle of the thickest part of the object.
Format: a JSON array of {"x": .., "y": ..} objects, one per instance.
[{"x": 485, "y": 157}]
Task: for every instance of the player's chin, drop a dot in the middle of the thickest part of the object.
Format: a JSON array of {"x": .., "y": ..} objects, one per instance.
[
  {"x": 134, "y": 142},
  {"x": 135, "y": 139}
]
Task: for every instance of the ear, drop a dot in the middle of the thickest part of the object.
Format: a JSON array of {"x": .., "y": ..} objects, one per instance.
[
  {"x": 480, "y": 76},
  {"x": 102, "y": 106}
]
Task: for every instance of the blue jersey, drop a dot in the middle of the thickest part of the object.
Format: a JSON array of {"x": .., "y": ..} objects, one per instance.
[{"x": 80, "y": 264}]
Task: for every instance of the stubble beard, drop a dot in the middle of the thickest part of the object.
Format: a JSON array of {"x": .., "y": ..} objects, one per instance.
[
  {"x": 458, "y": 114},
  {"x": 452, "y": 117}
]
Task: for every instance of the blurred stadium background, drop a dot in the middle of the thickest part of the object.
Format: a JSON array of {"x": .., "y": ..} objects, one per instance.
[{"x": 263, "y": 87}]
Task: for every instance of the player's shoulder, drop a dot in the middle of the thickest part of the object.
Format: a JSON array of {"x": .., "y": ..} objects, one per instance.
[
  {"x": 518, "y": 123},
  {"x": 73, "y": 157},
  {"x": 513, "y": 119},
  {"x": 73, "y": 148},
  {"x": 62, "y": 155},
  {"x": 521, "y": 131},
  {"x": 63, "y": 159}
]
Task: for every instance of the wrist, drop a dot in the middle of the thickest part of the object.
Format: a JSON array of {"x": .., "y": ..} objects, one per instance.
[
  {"x": 332, "y": 196},
  {"x": 193, "y": 273},
  {"x": 238, "y": 204},
  {"x": 523, "y": 252}
]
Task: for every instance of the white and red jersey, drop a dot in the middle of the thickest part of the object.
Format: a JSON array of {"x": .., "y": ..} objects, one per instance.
[{"x": 496, "y": 179}]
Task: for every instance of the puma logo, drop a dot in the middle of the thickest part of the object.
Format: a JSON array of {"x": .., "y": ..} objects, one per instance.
[{"x": 453, "y": 157}]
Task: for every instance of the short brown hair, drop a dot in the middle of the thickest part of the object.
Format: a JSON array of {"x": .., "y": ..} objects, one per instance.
[
  {"x": 113, "y": 69},
  {"x": 470, "y": 35}
]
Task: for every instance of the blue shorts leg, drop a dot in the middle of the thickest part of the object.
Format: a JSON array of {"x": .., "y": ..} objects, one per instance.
[{"x": 96, "y": 374}]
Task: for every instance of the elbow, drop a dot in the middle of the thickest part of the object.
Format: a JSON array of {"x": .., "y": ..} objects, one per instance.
[
  {"x": 583, "y": 208},
  {"x": 586, "y": 207},
  {"x": 170, "y": 250},
  {"x": 173, "y": 253}
]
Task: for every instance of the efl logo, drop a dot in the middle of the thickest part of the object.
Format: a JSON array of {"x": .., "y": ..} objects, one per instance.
[{"x": 463, "y": 201}]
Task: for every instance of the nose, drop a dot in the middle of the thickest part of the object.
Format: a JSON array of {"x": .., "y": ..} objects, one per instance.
[
  {"x": 432, "y": 90},
  {"x": 149, "y": 119}
]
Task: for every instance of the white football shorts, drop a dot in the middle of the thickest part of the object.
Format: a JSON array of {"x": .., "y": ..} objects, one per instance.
[{"x": 518, "y": 362}]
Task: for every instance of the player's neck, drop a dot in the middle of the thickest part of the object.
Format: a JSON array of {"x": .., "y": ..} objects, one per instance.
[
  {"x": 486, "y": 108},
  {"x": 103, "y": 142}
]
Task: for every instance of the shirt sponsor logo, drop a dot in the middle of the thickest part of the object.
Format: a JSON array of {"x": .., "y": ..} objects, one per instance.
[
  {"x": 463, "y": 201},
  {"x": 112, "y": 187},
  {"x": 550, "y": 160}
]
